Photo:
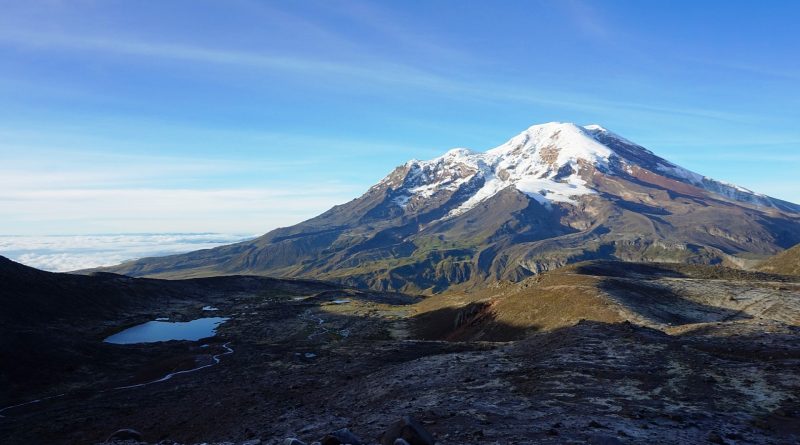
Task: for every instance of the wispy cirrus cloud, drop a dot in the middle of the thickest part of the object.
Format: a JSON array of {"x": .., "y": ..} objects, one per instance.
[
  {"x": 400, "y": 31},
  {"x": 356, "y": 71},
  {"x": 586, "y": 18},
  {"x": 389, "y": 72},
  {"x": 172, "y": 110}
]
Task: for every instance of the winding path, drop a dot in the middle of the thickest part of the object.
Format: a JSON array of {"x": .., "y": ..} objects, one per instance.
[
  {"x": 216, "y": 359},
  {"x": 320, "y": 328},
  {"x": 30, "y": 403}
]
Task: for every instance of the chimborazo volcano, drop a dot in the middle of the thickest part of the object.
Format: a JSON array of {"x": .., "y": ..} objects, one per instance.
[{"x": 555, "y": 194}]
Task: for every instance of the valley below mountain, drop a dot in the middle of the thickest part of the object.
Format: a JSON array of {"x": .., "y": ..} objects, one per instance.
[{"x": 596, "y": 352}]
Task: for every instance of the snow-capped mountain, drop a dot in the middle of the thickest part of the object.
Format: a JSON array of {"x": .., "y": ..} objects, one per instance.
[
  {"x": 554, "y": 194},
  {"x": 551, "y": 163}
]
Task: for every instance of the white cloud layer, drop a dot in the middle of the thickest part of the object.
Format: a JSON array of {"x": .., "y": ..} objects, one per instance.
[
  {"x": 157, "y": 210},
  {"x": 79, "y": 193},
  {"x": 63, "y": 253}
]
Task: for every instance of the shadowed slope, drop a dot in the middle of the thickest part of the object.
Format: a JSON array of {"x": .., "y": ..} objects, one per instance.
[{"x": 52, "y": 324}]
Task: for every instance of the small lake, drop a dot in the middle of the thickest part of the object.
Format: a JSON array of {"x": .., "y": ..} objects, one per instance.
[{"x": 155, "y": 331}]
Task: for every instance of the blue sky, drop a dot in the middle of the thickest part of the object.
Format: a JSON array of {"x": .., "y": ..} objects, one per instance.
[{"x": 241, "y": 116}]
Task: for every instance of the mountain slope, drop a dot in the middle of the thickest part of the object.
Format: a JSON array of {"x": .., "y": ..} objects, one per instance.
[
  {"x": 36, "y": 299},
  {"x": 555, "y": 194},
  {"x": 667, "y": 297},
  {"x": 52, "y": 324},
  {"x": 786, "y": 263}
]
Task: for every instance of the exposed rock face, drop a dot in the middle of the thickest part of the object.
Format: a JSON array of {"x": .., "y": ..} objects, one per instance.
[{"x": 553, "y": 195}]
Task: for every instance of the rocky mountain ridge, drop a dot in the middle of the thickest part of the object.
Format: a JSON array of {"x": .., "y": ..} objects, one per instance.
[
  {"x": 550, "y": 163},
  {"x": 555, "y": 194}
]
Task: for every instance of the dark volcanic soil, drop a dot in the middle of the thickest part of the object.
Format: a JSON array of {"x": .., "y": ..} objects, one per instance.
[{"x": 308, "y": 361}]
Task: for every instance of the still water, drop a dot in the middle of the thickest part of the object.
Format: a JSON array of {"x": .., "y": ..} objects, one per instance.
[{"x": 155, "y": 331}]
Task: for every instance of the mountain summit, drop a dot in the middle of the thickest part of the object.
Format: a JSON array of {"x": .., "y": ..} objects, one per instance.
[
  {"x": 553, "y": 162},
  {"x": 554, "y": 194}
]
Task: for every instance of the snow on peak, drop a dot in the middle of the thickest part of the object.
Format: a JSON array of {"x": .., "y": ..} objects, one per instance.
[
  {"x": 547, "y": 162},
  {"x": 458, "y": 153},
  {"x": 595, "y": 127},
  {"x": 556, "y": 143},
  {"x": 598, "y": 131},
  {"x": 551, "y": 162}
]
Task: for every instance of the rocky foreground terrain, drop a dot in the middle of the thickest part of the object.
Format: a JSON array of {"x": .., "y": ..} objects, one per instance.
[{"x": 599, "y": 352}]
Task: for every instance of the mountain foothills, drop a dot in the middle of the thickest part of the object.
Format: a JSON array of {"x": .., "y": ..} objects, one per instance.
[
  {"x": 786, "y": 262},
  {"x": 598, "y": 352},
  {"x": 555, "y": 194}
]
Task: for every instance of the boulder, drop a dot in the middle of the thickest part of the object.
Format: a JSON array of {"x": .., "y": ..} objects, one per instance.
[
  {"x": 341, "y": 437},
  {"x": 409, "y": 430},
  {"x": 293, "y": 441}
]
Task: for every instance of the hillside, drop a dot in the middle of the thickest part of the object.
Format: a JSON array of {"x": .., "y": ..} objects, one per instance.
[
  {"x": 53, "y": 323},
  {"x": 786, "y": 263},
  {"x": 596, "y": 352},
  {"x": 667, "y": 297}
]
